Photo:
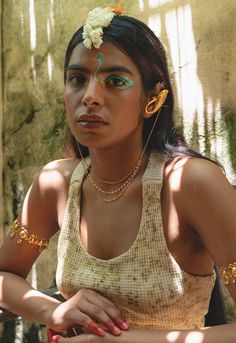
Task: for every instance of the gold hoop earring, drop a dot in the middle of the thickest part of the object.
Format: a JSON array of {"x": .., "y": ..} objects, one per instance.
[{"x": 157, "y": 101}]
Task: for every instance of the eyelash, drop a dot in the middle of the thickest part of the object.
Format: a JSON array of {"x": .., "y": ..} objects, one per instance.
[
  {"x": 120, "y": 81},
  {"x": 117, "y": 78},
  {"x": 77, "y": 80}
]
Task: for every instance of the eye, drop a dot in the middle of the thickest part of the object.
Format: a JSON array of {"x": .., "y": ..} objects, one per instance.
[
  {"x": 117, "y": 81},
  {"x": 77, "y": 79}
]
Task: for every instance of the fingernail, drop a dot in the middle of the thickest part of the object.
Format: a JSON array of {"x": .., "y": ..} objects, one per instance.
[
  {"x": 115, "y": 331},
  {"x": 95, "y": 328},
  {"x": 122, "y": 323},
  {"x": 112, "y": 328},
  {"x": 100, "y": 331}
]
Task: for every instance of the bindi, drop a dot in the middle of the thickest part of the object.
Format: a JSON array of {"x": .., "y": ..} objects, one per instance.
[{"x": 114, "y": 78}]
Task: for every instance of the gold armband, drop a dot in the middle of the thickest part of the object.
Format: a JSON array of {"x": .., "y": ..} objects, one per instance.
[
  {"x": 22, "y": 234},
  {"x": 228, "y": 273}
]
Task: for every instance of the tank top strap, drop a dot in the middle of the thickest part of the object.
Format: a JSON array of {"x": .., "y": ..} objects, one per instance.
[
  {"x": 155, "y": 168},
  {"x": 80, "y": 171}
]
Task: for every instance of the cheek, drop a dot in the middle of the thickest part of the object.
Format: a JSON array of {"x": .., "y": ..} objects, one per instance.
[{"x": 71, "y": 99}]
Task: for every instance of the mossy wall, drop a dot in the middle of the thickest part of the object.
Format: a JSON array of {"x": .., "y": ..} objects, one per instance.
[{"x": 200, "y": 38}]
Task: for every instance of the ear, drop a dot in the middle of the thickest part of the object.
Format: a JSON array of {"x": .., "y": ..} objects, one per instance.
[
  {"x": 156, "y": 90},
  {"x": 155, "y": 99}
]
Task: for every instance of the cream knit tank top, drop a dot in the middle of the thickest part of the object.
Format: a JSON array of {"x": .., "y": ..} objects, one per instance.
[{"x": 145, "y": 282}]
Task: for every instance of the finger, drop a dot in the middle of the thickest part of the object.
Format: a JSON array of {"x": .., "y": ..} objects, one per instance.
[
  {"x": 50, "y": 334},
  {"x": 112, "y": 311},
  {"x": 121, "y": 322},
  {"x": 57, "y": 339},
  {"x": 100, "y": 316},
  {"x": 80, "y": 317}
]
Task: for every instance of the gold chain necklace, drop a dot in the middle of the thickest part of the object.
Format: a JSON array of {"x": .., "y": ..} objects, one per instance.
[{"x": 128, "y": 177}]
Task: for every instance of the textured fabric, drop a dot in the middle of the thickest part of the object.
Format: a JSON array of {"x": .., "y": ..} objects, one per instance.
[{"x": 146, "y": 283}]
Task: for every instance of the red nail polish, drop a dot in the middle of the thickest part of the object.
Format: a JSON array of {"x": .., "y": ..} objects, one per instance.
[
  {"x": 112, "y": 328},
  {"x": 122, "y": 323},
  {"x": 116, "y": 331},
  {"x": 52, "y": 334},
  {"x": 95, "y": 328}
]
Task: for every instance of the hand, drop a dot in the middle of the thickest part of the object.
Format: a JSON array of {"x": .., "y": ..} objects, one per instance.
[{"x": 90, "y": 310}]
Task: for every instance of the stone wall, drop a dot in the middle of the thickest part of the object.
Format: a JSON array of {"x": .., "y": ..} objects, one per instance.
[
  {"x": 1, "y": 115},
  {"x": 200, "y": 38}
]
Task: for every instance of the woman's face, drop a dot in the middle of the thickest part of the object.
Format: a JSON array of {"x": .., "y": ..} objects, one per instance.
[{"x": 104, "y": 97}]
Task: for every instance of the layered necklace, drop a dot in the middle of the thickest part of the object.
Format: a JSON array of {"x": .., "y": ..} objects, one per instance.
[{"x": 124, "y": 182}]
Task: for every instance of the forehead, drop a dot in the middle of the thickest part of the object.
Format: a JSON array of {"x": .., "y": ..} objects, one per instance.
[{"x": 111, "y": 55}]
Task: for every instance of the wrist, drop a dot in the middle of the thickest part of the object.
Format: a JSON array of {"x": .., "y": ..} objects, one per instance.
[{"x": 53, "y": 317}]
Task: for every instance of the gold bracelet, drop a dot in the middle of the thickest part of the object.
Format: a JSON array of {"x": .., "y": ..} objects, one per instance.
[
  {"x": 228, "y": 274},
  {"x": 22, "y": 234}
]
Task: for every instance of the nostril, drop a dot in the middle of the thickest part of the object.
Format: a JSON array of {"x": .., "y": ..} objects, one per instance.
[{"x": 90, "y": 101}]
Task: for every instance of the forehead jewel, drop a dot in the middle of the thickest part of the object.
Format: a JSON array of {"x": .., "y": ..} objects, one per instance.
[{"x": 96, "y": 20}]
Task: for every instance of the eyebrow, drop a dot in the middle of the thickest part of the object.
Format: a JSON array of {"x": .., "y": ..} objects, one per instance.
[{"x": 102, "y": 70}]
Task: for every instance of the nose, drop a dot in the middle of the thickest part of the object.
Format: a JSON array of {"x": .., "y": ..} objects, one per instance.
[{"x": 94, "y": 94}]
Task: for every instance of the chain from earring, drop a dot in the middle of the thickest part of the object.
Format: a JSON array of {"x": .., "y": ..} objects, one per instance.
[{"x": 131, "y": 175}]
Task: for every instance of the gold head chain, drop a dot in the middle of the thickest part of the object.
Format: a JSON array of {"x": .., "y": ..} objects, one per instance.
[{"x": 22, "y": 234}]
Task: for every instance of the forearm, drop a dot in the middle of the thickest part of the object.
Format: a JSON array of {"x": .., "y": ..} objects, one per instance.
[
  {"x": 17, "y": 296},
  {"x": 216, "y": 334}
]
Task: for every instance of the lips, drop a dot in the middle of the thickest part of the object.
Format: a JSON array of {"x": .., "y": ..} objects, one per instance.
[{"x": 91, "y": 121}]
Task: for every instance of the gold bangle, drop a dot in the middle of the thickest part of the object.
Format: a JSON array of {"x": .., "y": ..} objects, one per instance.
[
  {"x": 22, "y": 234},
  {"x": 228, "y": 274}
]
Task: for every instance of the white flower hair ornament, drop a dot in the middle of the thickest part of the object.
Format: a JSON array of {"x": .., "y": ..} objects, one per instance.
[{"x": 96, "y": 20}]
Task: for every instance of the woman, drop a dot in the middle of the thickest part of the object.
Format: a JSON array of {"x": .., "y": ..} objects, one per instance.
[{"x": 143, "y": 219}]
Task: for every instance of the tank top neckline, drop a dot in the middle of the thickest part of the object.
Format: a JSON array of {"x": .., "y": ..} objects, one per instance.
[{"x": 153, "y": 172}]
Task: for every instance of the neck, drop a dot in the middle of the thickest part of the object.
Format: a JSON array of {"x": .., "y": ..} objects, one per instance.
[{"x": 116, "y": 163}]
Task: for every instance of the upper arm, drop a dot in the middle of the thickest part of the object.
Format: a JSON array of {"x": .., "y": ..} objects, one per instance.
[
  {"x": 39, "y": 215},
  {"x": 209, "y": 204}
]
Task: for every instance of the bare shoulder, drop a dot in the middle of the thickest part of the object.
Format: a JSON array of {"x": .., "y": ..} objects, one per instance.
[
  {"x": 46, "y": 198},
  {"x": 56, "y": 174},
  {"x": 190, "y": 174}
]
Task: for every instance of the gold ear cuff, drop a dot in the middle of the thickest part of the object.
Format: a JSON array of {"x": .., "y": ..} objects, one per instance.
[{"x": 155, "y": 103}]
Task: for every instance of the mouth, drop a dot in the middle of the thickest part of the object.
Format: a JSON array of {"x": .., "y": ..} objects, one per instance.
[{"x": 91, "y": 121}]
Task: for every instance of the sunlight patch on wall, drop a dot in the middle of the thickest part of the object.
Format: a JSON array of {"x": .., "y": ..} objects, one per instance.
[
  {"x": 141, "y": 5},
  {"x": 49, "y": 31},
  {"x": 22, "y": 23},
  {"x": 32, "y": 22},
  {"x": 52, "y": 16},
  {"x": 33, "y": 68},
  {"x": 50, "y": 66},
  {"x": 154, "y": 22},
  {"x": 156, "y": 3},
  {"x": 184, "y": 61},
  {"x": 32, "y": 25}
]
